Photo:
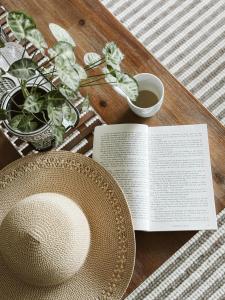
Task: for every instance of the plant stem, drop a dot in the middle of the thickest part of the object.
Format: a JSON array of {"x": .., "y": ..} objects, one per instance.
[
  {"x": 40, "y": 74},
  {"x": 46, "y": 79},
  {"x": 34, "y": 53},
  {"x": 24, "y": 50},
  {"x": 94, "y": 65},
  {"x": 88, "y": 82},
  {"x": 38, "y": 118},
  {"x": 12, "y": 110},
  {"x": 98, "y": 75},
  {"x": 17, "y": 105},
  {"x": 98, "y": 84},
  {"x": 43, "y": 114},
  {"x": 24, "y": 89}
]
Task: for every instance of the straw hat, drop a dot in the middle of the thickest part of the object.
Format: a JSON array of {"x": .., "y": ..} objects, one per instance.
[{"x": 65, "y": 230}]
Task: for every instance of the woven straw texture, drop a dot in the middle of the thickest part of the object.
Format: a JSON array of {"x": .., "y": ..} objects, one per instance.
[
  {"x": 195, "y": 272},
  {"x": 45, "y": 239},
  {"x": 110, "y": 261},
  {"x": 187, "y": 37}
]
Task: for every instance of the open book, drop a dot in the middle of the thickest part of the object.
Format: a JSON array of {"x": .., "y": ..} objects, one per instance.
[{"x": 164, "y": 172}]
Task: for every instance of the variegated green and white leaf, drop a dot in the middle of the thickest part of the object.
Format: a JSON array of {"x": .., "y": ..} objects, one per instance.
[
  {"x": 85, "y": 104},
  {"x": 24, "y": 123},
  {"x": 36, "y": 38},
  {"x": 20, "y": 23},
  {"x": 55, "y": 113},
  {"x": 128, "y": 85},
  {"x": 69, "y": 115},
  {"x": 23, "y": 68},
  {"x": 61, "y": 34},
  {"x": 55, "y": 97},
  {"x": 52, "y": 53},
  {"x": 113, "y": 55},
  {"x": 80, "y": 71},
  {"x": 58, "y": 132},
  {"x": 68, "y": 76},
  {"x": 111, "y": 73},
  {"x": 110, "y": 76},
  {"x": 92, "y": 59},
  {"x": 67, "y": 92},
  {"x": 33, "y": 103},
  {"x": 63, "y": 53}
]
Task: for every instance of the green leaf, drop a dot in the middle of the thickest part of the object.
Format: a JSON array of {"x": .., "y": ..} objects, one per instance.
[
  {"x": 92, "y": 59},
  {"x": 67, "y": 92},
  {"x": 110, "y": 74},
  {"x": 68, "y": 72},
  {"x": 36, "y": 38},
  {"x": 20, "y": 23},
  {"x": 69, "y": 115},
  {"x": 55, "y": 101},
  {"x": 128, "y": 85},
  {"x": 24, "y": 123},
  {"x": 55, "y": 113},
  {"x": 85, "y": 104},
  {"x": 15, "y": 121},
  {"x": 33, "y": 103},
  {"x": 55, "y": 97},
  {"x": 3, "y": 114},
  {"x": 68, "y": 76},
  {"x": 80, "y": 71},
  {"x": 112, "y": 53},
  {"x": 63, "y": 53},
  {"x": 61, "y": 34},
  {"x": 23, "y": 68},
  {"x": 58, "y": 132}
]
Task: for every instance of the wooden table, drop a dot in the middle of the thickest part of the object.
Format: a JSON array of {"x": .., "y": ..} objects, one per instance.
[{"x": 92, "y": 26}]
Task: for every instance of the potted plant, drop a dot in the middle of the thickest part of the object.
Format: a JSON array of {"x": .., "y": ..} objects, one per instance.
[{"x": 36, "y": 110}]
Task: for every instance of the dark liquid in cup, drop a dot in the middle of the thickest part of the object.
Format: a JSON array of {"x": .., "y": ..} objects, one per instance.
[{"x": 146, "y": 99}]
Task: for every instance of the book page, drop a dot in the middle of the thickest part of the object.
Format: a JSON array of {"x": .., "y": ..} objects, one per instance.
[
  {"x": 123, "y": 151},
  {"x": 181, "y": 190}
]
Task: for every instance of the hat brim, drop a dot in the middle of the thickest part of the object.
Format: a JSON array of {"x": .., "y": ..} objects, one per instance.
[{"x": 110, "y": 262}]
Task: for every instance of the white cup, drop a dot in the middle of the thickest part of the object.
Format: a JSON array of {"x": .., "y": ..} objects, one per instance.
[{"x": 151, "y": 83}]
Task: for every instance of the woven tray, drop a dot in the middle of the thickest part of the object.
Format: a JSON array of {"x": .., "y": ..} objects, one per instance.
[{"x": 79, "y": 139}]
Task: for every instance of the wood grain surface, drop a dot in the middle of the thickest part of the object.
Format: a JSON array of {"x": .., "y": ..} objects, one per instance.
[{"x": 92, "y": 26}]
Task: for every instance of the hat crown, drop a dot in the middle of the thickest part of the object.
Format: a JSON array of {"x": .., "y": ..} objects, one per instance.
[{"x": 45, "y": 239}]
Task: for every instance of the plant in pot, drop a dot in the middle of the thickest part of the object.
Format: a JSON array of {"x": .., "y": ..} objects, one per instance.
[{"x": 38, "y": 111}]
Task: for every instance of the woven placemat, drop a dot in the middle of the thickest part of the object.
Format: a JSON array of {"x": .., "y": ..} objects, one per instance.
[
  {"x": 195, "y": 272},
  {"x": 79, "y": 139}
]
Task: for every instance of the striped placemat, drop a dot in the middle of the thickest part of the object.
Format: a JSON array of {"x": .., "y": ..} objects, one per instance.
[
  {"x": 195, "y": 272},
  {"x": 187, "y": 37},
  {"x": 79, "y": 139}
]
